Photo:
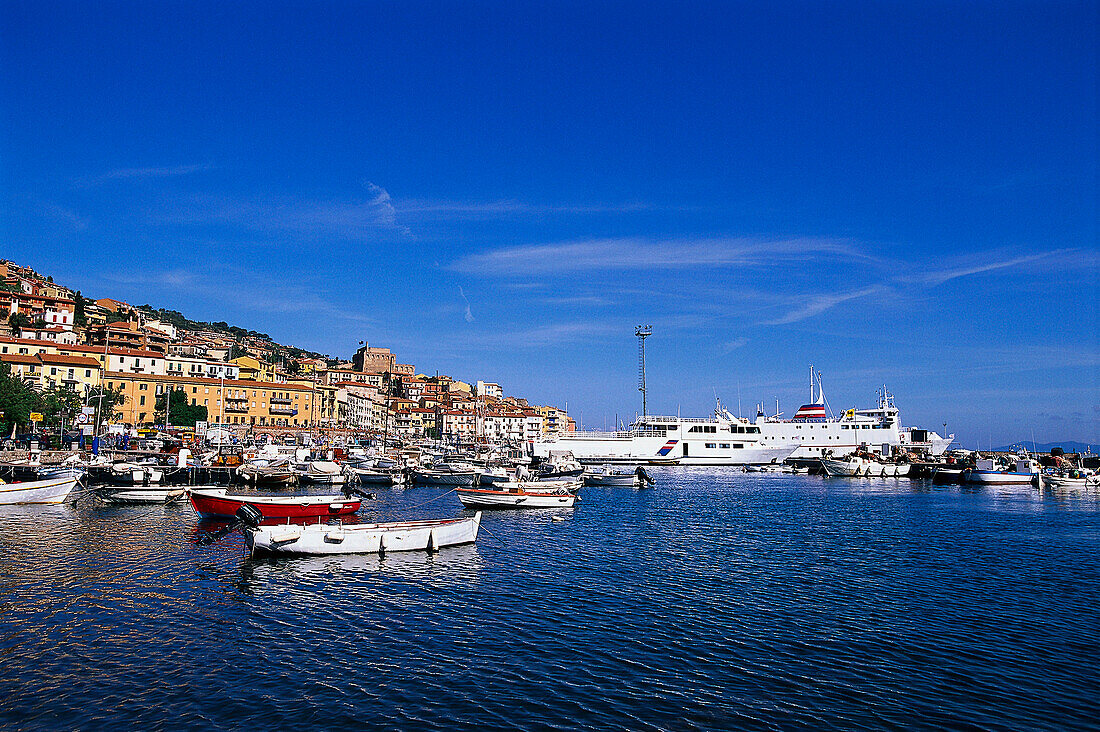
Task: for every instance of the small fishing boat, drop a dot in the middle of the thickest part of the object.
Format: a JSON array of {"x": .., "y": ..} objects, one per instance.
[
  {"x": 52, "y": 490},
  {"x": 608, "y": 476},
  {"x": 220, "y": 503},
  {"x": 516, "y": 495},
  {"x": 141, "y": 494},
  {"x": 396, "y": 536},
  {"x": 987, "y": 472},
  {"x": 1075, "y": 478}
]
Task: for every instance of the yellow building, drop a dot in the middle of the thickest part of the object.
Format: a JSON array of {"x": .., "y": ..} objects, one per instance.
[
  {"x": 43, "y": 370},
  {"x": 229, "y": 401}
]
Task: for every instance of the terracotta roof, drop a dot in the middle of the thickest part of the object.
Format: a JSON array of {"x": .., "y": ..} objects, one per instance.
[
  {"x": 272, "y": 385},
  {"x": 19, "y": 358},
  {"x": 68, "y": 360}
]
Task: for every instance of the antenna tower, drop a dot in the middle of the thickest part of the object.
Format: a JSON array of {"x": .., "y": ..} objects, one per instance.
[{"x": 642, "y": 332}]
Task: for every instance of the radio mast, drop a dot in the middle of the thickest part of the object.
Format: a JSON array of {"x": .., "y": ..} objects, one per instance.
[{"x": 642, "y": 332}]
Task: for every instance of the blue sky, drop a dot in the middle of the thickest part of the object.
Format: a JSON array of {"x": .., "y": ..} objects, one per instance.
[{"x": 895, "y": 192}]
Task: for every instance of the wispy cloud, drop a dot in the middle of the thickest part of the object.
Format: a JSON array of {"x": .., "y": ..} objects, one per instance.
[
  {"x": 65, "y": 215},
  {"x": 502, "y": 208},
  {"x": 938, "y": 278},
  {"x": 119, "y": 174},
  {"x": 820, "y": 303},
  {"x": 641, "y": 253},
  {"x": 734, "y": 344},
  {"x": 346, "y": 219},
  {"x": 468, "y": 314}
]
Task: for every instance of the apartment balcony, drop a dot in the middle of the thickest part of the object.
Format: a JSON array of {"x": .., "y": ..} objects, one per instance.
[
  {"x": 236, "y": 408},
  {"x": 280, "y": 400},
  {"x": 283, "y": 410}
]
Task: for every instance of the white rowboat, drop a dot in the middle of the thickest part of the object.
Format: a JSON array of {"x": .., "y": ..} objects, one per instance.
[
  {"x": 397, "y": 536},
  {"x": 54, "y": 490}
]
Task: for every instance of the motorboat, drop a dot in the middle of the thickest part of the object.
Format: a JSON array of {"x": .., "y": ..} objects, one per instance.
[
  {"x": 220, "y": 503},
  {"x": 378, "y": 538},
  {"x": 51, "y": 490},
  {"x": 989, "y": 472},
  {"x": 516, "y": 495},
  {"x": 607, "y": 476},
  {"x": 561, "y": 467}
]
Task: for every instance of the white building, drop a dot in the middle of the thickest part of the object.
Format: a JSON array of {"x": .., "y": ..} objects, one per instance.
[
  {"x": 489, "y": 389},
  {"x": 201, "y": 368}
]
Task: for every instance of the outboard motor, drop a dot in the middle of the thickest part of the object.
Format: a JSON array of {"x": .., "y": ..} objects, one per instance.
[
  {"x": 247, "y": 515},
  {"x": 351, "y": 491},
  {"x": 643, "y": 476}
]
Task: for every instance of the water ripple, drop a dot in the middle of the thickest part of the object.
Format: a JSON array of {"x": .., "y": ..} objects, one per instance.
[{"x": 716, "y": 601}]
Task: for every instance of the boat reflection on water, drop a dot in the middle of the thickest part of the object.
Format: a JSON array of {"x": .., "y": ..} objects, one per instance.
[{"x": 309, "y": 575}]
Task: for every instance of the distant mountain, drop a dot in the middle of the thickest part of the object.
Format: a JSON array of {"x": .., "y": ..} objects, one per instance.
[{"x": 1067, "y": 445}]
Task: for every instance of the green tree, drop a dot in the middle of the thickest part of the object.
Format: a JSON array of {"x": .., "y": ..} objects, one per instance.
[
  {"x": 107, "y": 401},
  {"x": 181, "y": 413},
  {"x": 60, "y": 404},
  {"x": 79, "y": 316},
  {"x": 293, "y": 368},
  {"x": 17, "y": 401},
  {"x": 18, "y": 322}
]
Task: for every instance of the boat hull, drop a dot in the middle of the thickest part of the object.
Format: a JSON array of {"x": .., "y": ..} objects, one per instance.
[
  {"x": 428, "y": 477},
  {"x": 54, "y": 490},
  {"x": 990, "y": 477},
  {"x": 492, "y": 499},
  {"x": 398, "y": 536},
  {"x": 221, "y": 504},
  {"x": 142, "y": 495},
  {"x": 607, "y": 481}
]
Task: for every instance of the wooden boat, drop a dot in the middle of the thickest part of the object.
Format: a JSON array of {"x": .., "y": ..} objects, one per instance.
[
  {"x": 220, "y": 503},
  {"x": 397, "y": 536},
  {"x": 516, "y": 495},
  {"x": 141, "y": 494},
  {"x": 53, "y": 490}
]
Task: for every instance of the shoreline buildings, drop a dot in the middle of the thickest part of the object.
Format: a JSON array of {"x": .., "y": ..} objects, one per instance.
[{"x": 245, "y": 381}]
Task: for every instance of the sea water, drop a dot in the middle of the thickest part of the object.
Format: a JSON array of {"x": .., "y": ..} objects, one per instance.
[{"x": 716, "y": 600}]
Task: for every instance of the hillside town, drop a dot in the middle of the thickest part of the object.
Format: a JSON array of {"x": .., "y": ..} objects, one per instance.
[{"x": 94, "y": 351}]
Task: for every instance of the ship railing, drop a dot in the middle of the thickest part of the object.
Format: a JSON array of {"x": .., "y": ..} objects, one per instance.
[{"x": 688, "y": 420}]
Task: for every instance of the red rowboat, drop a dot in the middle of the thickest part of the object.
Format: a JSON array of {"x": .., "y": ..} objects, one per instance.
[{"x": 219, "y": 503}]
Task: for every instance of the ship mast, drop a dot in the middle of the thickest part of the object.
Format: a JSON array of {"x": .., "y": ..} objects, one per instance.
[{"x": 642, "y": 332}]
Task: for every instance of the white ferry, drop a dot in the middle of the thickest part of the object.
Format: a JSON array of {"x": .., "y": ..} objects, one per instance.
[{"x": 729, "y": 440}]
